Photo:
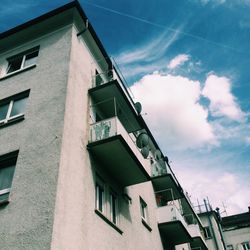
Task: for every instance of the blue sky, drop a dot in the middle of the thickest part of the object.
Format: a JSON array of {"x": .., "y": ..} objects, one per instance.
[{"x": 187, "y": 62}]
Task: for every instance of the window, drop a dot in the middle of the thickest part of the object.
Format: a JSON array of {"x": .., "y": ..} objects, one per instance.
[
  {"x": 245, "y": 245},
  {"x": 144, "y": 214},
  {"x": 207, "y": 233},
  {"x": 100, "y": 197},
  {"x": 113, "y": 207},
  {"x": 7, "y": 169},
  {"x": 143, "y": 206},
  {"x": 230, "y": 247},
  {"x": 106, "y": 202},
  {"x": 22, "y": 60},
  {"x": 12, "y": 108}
]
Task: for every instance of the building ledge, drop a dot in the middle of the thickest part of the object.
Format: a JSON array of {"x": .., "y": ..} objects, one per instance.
[
  {"x": 108, "y": 221},
  {"x": 146, "y": 225},
  {"x": 17, "y": 72},
  {"x": 12, "y": 121}
]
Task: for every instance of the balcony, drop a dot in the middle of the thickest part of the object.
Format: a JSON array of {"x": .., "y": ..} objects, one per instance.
[
  {"x": 116, "y": 150},
  {"x": 163, "y": 178},
  {"x": 172, "y": 225},
  {"x": 108, "y": 85},
  {"x": 198, "y": 241}
]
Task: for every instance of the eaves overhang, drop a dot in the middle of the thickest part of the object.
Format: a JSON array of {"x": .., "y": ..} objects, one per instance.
[{"x": 57, "y": 11}]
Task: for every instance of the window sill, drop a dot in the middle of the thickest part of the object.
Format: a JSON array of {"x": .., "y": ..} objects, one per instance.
[
  {"x": 17, "y": 72},
  {"x": 108, "y": 221},
  {"x": 12, "y": 121},
  {"x": 146, "y": 225}
]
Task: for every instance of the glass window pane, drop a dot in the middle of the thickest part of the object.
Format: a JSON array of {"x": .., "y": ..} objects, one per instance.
[
  {"x": 18, "y": 107},
  {"x": 6, "y": 176},
  {"x": 30, "y": 59},
  {"x": 3, "y": 111},
  {"x": 113, "y": 202},
  {"x": 15, "y": 64}
]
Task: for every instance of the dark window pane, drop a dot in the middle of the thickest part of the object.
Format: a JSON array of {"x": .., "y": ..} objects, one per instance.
[
  {"x": 30, "y": 59},
  {"x": 113, "y": 208},
  {"x": 18, "y": 107},
  {"x": 6, "y": 176},
  {"x": 3, "y": 111},
  {"x": 15, "y": 64}
]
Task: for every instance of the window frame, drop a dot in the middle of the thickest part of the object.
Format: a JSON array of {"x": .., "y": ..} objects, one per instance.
[
  {"x": 23, "y": 55},
  {"x": 144, "y": 210},
  {"x": 207, "y": 232},
  {"x": 113, "y": 204},
  {"x": 100, "y": 186},
  {"x": 245, "y": 245},
  {"x": 230, "y": 247},
  {"x": 107, "y": 203},
  {"x": 144, "y": 214},
  {"x": 8, "y": 160},
  {"x": 10, "y": 102}
]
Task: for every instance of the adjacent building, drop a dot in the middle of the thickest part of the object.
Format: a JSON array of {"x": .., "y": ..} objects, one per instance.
[{"x": 236, "y": 230}]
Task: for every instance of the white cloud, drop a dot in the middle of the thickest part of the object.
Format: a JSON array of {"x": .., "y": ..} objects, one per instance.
[
  {"x": 222, "y": 102},
  {"x": 220, "y": 187},
  {"x": 173, "y": 110},
  {"x": 178, "y": 60}
]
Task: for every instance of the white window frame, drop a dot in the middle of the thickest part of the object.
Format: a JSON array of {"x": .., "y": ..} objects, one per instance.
[
  {"x": 245, "y": 245},
  {"x": 115, "y": 206},
  {"x": 10, "y": 101},
  {"x": 9, "y": 159},
  {"x": 22, "y": 55},
  {"x": 107, "y": 202},
  {"x": 207, "y": 233},
  {"x": 144, "y": 210},
  {"x": 98, "y": 187}
]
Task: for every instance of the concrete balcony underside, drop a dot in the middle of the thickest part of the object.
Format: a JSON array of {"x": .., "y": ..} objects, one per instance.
[
  {"x": 174, "y": 232},
  {"x": 167, "y": 181},
  {"x": 197, "y": 239},
  {"x": 172, "y": 225},
  {"x": 117, "y": 153}
]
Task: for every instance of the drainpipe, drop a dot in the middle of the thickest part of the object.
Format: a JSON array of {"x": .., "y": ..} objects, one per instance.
[
  {"x": 211, "y": 226},
  {"x": 220, "y": 228}
]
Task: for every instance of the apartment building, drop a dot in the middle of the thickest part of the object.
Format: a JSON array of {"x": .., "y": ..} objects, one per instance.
[
  {"x": 224, "y": 233},
  {"x": 236, "y": 229},
  {"x": 211, "y": 220},
  {"x": 79, "y": 168}
]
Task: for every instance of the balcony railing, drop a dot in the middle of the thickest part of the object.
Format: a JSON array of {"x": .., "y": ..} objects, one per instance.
[
  {"x": 194, "y": 230},
  {"x": 109, "y": 76},
  {"x": 170, "y": 213}
]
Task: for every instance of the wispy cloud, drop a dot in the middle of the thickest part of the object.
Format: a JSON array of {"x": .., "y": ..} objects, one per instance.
[
  {"x": 148, "y": 55},
  {"x": 150, "y": 51},
  {"x": 178, "y": 60}
]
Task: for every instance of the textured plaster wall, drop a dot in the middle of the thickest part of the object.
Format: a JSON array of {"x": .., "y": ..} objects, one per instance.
[
  {"x": 211, "y": 242},
  {"x": 76, "y": 224},
  {"x": 26, "y": 222},
  {"x": 237, "y": 236}
]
